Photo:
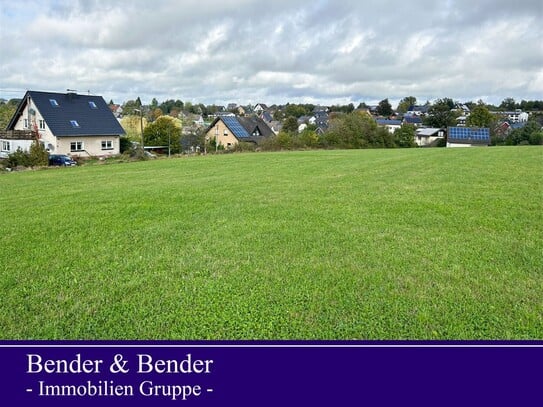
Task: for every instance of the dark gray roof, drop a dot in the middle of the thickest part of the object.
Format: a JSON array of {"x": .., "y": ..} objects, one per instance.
[
  {"x": 251, "y": 129},
  {"x": 70, "y": 114},
  {"x": 387, "y": 122}
]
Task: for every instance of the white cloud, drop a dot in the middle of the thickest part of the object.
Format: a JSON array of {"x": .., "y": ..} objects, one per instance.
[{"x": 288, "y": 50}]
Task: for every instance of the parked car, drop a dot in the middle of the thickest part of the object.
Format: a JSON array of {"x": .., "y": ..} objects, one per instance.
[{"x": 62, "y": 160}]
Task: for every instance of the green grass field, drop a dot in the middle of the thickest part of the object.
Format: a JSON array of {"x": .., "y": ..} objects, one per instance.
[{"x": 371, "y": 244}]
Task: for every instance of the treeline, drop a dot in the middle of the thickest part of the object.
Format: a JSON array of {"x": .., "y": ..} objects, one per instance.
[
  {"x": 346, "y": 131},
  {"x": 524, "y": 105}
]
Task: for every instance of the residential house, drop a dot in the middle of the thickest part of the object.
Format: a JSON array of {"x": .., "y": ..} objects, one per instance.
[
  {"x": 266, "y": 116},
  {"x": 117, "y": 110},
  {"x": 461, "y": 121},
  {"x": 429, "y": 137},
  {"x": 68, "y": 123},
  {"x": 199, "y": 121},
  {"x": 229, "y": 131},
  {"x": 468, "y": 136},
  {"x": 417, "y": 110},
  {"x": 241, "y": 111},
  {"x": 414, "y": 120},
  {"x": 517, "y": 116},
  {"x": 222, "y": 114},
  {"x": 259, "y": 108},
  {"x": 12, "y": 140},
  {"x": 390, "y": 125}
]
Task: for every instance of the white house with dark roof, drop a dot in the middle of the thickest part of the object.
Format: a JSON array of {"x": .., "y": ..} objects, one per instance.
[{"x": 69, "y": 123}]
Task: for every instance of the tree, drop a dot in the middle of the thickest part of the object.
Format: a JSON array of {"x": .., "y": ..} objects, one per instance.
[
  {"x": 290, "y": 125},
  {"x": 355, "y": 130},
  {"x": 132, "y": 125},
  {"x": 531, "y": 133},
  {"x": 405, "y": 136},
  {"x": 384, "y": 108},
  {"x": 441, "y": 114},
  {"x": 295, "y": 110},
  {"x": 7, "y": 110},
  {"x": 406, "y": 103},
  {"x": 508, "y": 104},
  {"x": 480, "y": 117},
  {"x": 164, "y": 131},
  {"x": 156, "y": 113},
  {"x": 37, "y": 154}
]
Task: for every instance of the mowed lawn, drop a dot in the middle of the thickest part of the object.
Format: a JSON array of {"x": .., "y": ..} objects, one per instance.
[{"x": 367, "y": 244}]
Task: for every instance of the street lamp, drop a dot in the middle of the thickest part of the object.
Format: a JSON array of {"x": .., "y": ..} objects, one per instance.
[{"x": 141, "y": 126}]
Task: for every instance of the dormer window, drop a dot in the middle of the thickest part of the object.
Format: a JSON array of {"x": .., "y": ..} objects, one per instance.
[
  {"x": 92, "y": 105},
  {"x": 74, "y": 123},
  {"x": 53, "y": 102}
]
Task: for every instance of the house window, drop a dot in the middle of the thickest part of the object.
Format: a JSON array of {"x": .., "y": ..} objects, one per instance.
[
  {"x": 74, "y": 123},
  {"x": 42, "y": 124},
  {"x": 53, "y": 102},
  {"x": 107, "y": 145},
  {"x": 92, "y": 105},
  {"x": 76, "y": 146},
  {"x": 25, "y": 123},
  {"x": 6, "y": 146}
]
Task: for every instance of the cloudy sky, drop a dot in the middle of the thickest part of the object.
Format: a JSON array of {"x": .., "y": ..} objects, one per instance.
[{"x": 250, "y": 51}]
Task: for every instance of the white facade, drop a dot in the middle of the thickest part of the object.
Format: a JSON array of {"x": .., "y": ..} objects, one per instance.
[
  {"x": 9, "y": 146},
  {"x": 428, "y": 136}
]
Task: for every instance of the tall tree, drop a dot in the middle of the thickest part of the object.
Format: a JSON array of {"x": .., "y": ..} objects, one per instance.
[
  {"x": 406, "y": 103},
  {"x": 290, "y": 125},
  {"x": 441, "y": 114},
  {"x": 164, "y": 131},
  {"x": 480, "y": 117},
  {"x": 384, "y": 108},
  {"x": 405, "y": 136},
  {"x": 508, "y": 104}
]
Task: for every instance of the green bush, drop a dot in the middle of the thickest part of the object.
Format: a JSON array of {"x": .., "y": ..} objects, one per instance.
[
  {"x": 18, "y": 159},
  {"x": 37, "y": 155}
]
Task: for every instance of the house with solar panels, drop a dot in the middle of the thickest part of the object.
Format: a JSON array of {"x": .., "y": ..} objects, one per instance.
[
  {"x": 229, "y": 131},
  {"x": 69, "y": 123},
  {"x": 468, "y": 137}
]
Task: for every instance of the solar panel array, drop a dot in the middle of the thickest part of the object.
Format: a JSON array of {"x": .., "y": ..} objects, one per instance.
[
  {"x": 236, "y": 128},
  {"x": 469, "y": 134}
]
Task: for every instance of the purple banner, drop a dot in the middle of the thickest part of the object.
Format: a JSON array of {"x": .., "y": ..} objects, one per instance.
[{"x": 270, "y": 373}]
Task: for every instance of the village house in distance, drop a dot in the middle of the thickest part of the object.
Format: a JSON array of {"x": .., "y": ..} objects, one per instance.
[
  {"x": 229, "y": 130},
  {"x": 67, "y": 123}
]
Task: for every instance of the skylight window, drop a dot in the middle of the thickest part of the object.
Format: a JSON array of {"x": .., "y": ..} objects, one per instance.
[
  {"x": 74, "y": 123},
  {"x": 53, "y": 102},
  {"x": 92, "y": 105}
]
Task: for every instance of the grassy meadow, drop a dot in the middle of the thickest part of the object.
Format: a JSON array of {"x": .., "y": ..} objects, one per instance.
[{"x": 362, "y": 244}]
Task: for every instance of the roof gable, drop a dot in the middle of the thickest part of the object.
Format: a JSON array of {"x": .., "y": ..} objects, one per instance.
[{"x": 70, "y": 114}]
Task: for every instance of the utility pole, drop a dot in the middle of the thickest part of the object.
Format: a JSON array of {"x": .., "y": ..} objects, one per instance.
[{"x": 140, "y": 111}]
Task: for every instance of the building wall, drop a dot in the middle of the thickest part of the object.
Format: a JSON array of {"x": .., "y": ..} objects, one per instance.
[
  {"x": 90, "y": 147},
  {"x": 465, "y": 145},
  {"x": 30, "y": 121},
  {"x": 9, "y": 146},
  {"x": 222, "y": 134}
]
